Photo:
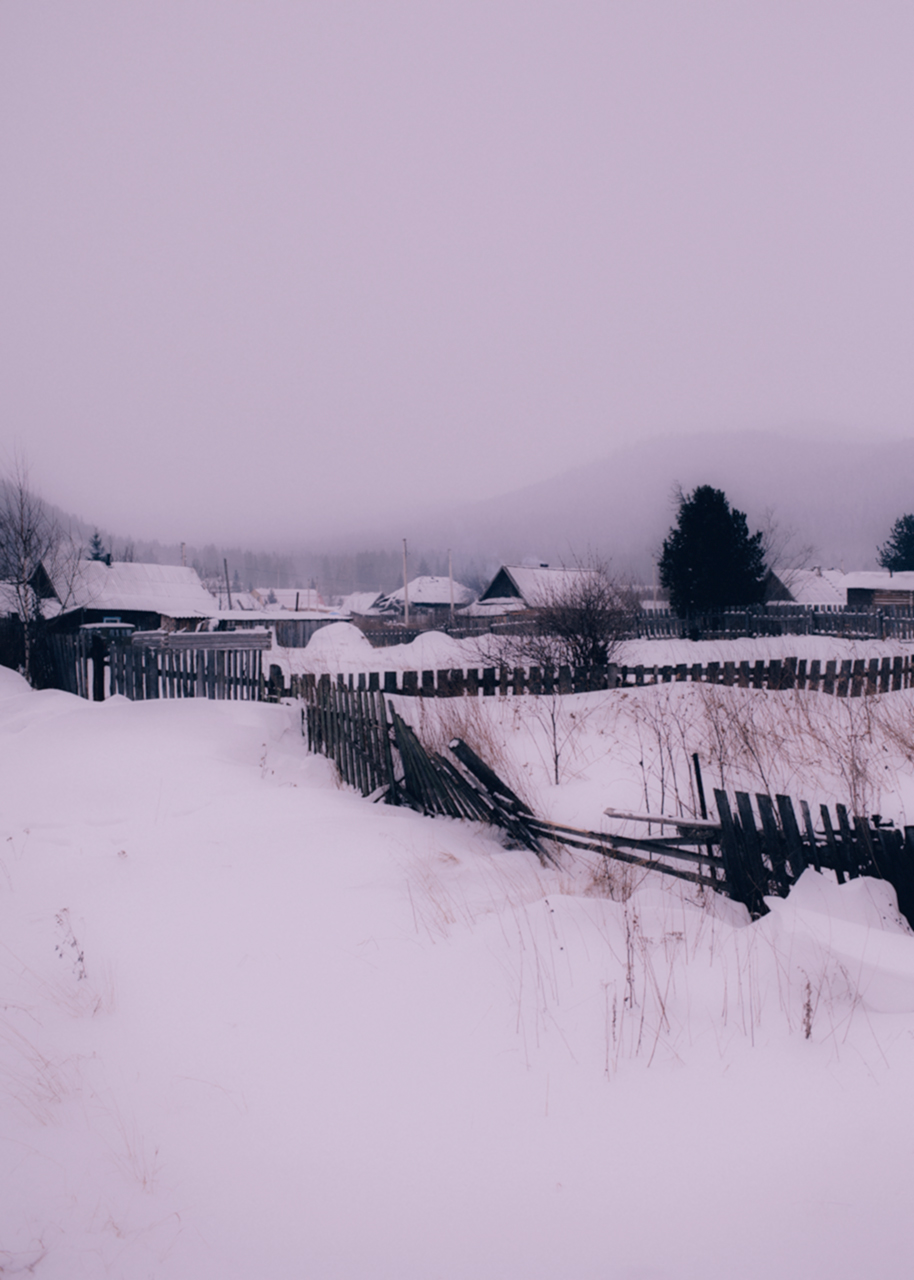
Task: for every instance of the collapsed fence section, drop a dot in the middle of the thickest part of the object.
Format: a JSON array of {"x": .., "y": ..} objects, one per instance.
[
  {"x": 748, "y": 853},
  {"x": 766, "y": 850}
]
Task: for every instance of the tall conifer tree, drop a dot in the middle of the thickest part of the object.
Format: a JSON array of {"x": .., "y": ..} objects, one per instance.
[{"x": 709, "y": 558}]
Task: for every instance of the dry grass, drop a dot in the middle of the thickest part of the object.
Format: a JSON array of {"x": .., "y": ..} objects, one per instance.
[{"x": 438, "y": 720}]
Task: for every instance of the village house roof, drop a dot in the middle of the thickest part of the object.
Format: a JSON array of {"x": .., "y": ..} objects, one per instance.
[
  {"x": 879, "y": 580},
  {"x": 174, "y": 591},
  {"x": 535, "y": 586},
  {"x": 430, "y": 592},
  {"x": 361, "y": 603},
  {"x": 813, "y": 586}
]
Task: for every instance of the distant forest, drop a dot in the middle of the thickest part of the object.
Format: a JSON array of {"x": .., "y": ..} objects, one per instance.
[{"x": 335, "y": 574}]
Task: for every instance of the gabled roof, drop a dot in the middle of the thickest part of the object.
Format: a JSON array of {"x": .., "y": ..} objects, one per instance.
[
  {"x": 814, "y": 586},
  {"x": 168, "y": 589},
  {"x": 360, "y": 602},
  {"x": 432, "y": 591},
  {"x": 536, "y": 586}
]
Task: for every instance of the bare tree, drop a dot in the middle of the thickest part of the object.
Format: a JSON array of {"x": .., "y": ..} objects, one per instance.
[
  {"x": 34, "y": 553},
  {"x": 586, "y": 615},
  {"x": 583, "y": 615},
  {"x": 784, "y": 554}
]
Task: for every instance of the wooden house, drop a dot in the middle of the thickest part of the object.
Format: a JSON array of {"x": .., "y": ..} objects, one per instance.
[
  {"x": 149, "y": 596},
  {"x": 427, "y": 594},
  {"x": 516, "y": 588},
  {"x": 814, "y": 588}
]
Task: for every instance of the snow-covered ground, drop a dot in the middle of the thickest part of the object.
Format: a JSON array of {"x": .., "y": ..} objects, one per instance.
[
  {"x": 342, "y": 647},
  {"x": 253, "y": 1026}
]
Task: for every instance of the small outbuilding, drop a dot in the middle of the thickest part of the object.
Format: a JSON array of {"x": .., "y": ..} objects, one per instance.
[
  {"x": 427, "y": 594},
  {"x": 879, "y": 589}
]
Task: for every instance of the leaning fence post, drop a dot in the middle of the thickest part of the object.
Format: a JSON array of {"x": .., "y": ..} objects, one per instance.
[{"x": 731, "y": 855}]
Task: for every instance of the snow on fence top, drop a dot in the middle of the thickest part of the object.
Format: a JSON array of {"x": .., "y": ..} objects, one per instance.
[{"x": 850, "y": 677}]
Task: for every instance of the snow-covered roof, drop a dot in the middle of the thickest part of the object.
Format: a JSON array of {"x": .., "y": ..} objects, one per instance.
[
  {"x": 241, "y": 600},
  {"x": 360, "y": 602},
  {"x": 432, "y": 591},
  {"x": 493, "y": 608},
  {"x": 169, "y": 589},
  {"x": 288, "y": 598},
  {"x": 879, "y": 580},
  {"x": 10, "y": 602},
  {"x": 536, "y": 586},
  {"x": 9, "y": 599},
  {"x": 814, "y": 586}
]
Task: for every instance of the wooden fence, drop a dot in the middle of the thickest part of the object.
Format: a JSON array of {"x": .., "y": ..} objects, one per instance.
[
  {"x": 748, "y": 853},
  {"x": 847, "y": 678},
  {"x": 893, "y": 622},
  {"x": 767, "y": 849},
  {"x": 177, "y": 664},
  {"x": 141, "y": 673}
]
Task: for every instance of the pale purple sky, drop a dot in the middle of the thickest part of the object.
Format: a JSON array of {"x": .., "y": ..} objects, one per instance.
[{"x": 264, "y": 264}]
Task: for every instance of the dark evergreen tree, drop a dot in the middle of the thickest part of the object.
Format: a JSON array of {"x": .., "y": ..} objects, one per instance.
[
  {"x": 97, "y": 547},
  {"x": 898, "y": 553},
  {"x": 710, "y": 559}
]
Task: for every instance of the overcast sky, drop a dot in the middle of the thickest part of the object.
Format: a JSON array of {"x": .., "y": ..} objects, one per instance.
[{"x": 265, "y": 264}]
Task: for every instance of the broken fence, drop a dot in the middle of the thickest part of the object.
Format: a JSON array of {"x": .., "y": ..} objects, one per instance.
[{"x": 751, "y": 852}]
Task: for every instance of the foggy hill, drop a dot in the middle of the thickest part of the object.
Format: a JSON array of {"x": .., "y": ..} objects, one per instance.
[{"x": 835, "y": 493}]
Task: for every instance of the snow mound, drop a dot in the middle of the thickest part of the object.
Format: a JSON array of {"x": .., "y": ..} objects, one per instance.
[
  {"x": 12, "y": 684},
  {"x": 433, "y": 649},
  {"x": 337, "y": 646},
  {"x": 854, "y": 928}
]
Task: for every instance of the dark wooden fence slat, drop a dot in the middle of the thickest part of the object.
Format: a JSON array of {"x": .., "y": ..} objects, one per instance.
[
  {"x": 847, "y": 840},
  {"x": 811, "y": 840},
  {"x": 835, "y": 851},
  {"x": 756, "y": 870},
  {"x": 792, "y": 837},
  {"x": 773, "y": 842}
]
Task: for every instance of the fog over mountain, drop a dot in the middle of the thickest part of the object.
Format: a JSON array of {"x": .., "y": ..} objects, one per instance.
[
  {"x": 285, "y": 272},
  {"x": 831, "y": 497},
  {"x": 833, "y": 492}
]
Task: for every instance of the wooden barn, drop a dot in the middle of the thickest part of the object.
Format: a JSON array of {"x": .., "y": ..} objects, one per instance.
[{"x": 879, "y": 589}]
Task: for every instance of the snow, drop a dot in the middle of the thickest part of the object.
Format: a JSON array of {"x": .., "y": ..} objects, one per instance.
[
  {"x": 754, "y": 648},
  {"x": 251, "y": 1025}
]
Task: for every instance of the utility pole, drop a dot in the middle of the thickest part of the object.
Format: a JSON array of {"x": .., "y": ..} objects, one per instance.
[
  {"x": 405, "y": 589},
  {"x": 450, "y": 578},
  {"x": 228, "y": 589}
]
